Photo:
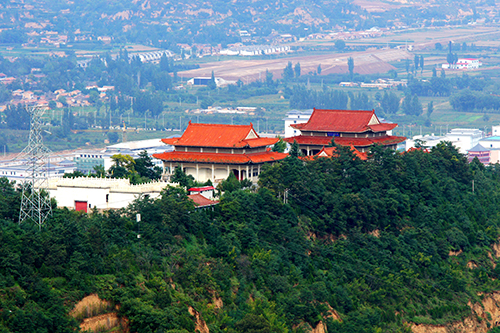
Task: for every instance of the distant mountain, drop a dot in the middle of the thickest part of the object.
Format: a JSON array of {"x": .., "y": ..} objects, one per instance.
[{"x": 158, "y": 22}]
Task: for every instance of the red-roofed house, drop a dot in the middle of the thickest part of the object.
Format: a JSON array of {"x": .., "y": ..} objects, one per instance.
[
  {"x": 211, "y": 151},
  {"x": 360, "y": 129}
]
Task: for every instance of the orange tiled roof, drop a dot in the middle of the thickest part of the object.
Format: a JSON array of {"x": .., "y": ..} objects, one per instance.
[
  {"x": 220, "y": 136},
  {"x": 220, "y": 158},
  {"x": 347, "y": 121},
  {"x": 357, "y": 142},
  {"x": 200, "y": 201}
]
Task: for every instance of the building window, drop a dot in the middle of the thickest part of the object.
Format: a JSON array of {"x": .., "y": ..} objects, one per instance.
[{"x": 107, "y": 197}]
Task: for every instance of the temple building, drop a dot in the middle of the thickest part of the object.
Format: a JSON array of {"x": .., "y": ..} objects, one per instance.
[
  {"x": 213, "y": 152},
  {"x": 360, "y": 129}
]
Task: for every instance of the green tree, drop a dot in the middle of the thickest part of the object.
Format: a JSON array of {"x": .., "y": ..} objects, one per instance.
[
  {"x": 296, "y": 69},
  {"x": 279, "y": 146},
  {"x": 430, "y": 109},
  {"x": 319, "y": 69},
  {"x": 390, "y": 103},
  {"x": 212, "y": 84},
  {"x": 123, "y": 166},
  {"x": 350, "y": 66},
  {"x": 145, "y": 167},
  {"x": 99, "y": 171},
  {"x": 340, "y": 44},
  {"x": 295, "y": 149},
  {"x": 230, "y": 184},
  {"x": 180, "y": 177},
  {"x": 17, "y": 117},
  {"x": 288, "y": 72},
  {"x": 269, "y": 78}
]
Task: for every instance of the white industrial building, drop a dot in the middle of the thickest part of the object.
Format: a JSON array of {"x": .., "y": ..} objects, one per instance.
[
  {"x": 295, "y": 117},
  {"x": 256, "y": 50},
  {"x": 464, "y": 63},
  {"x": 463, "y": 139},
  {"x": 205, "y": 81},
  {"x": 85, "y": 193}
]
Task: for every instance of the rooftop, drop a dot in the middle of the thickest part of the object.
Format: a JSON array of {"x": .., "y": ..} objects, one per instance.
[
  {"x": 350, "y": 121},
  {"x": 358, "y": 142},
  {"x": 200, "y": 201},
  {"x": 491, "y": 138},
  {"x": 195, "y": 157},
  {"x": 478, "y": 148},
  {"x": 220, "y": 136}
]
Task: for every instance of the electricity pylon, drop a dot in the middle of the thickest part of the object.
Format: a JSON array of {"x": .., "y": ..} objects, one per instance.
[{"x": 35, "y": 200}]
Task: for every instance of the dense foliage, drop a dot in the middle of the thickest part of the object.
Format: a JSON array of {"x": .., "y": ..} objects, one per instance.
[{"x": 370, "y": 239}]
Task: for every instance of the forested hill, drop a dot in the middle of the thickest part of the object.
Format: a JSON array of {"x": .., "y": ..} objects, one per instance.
[{"x": 359, "y": 246}]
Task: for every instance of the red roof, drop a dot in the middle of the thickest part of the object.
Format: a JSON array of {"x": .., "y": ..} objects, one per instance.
[
  {"x": 357, "y": 142},
  {"x": 346, "y": 121},
  {"x": 221, "y": 158},
  {"x": 220, "y": 136},
  {"x": 200, "y": 201},
  {"x": 332, "y": 152},
  {"x": 425, "y": 150}
]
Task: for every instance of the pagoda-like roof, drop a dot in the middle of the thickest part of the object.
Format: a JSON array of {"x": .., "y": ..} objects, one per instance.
[
  {"x": 220, "y": 136},
  {"x": 478, "y": 148},
  {"x": 332, "y": 152},
  {"x": 220, "y": 158},
  {"x": 345, "y": 121},
  {"x": 345, "y": 141}
]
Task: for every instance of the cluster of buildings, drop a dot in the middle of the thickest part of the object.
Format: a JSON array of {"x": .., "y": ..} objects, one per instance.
[
  {"x": 464, "y": 64},
  {"x": 250, "y": 110},
  {"x": 256, "y": 50},
  {"x": 212, "y": 152},
  {"x": 379, "y": 84},
  {"x": 71, "y": 98},
  {"x": 471, "y": 142}
]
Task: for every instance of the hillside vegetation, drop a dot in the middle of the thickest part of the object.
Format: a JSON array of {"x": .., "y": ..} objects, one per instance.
[{"x": 358, "y": 246}]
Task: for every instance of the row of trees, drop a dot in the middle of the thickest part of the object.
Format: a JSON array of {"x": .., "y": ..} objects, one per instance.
[{"x": 388, "y": 103}]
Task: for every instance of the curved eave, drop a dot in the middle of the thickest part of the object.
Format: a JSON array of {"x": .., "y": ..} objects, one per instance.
[{"x": 218, "y": 158}]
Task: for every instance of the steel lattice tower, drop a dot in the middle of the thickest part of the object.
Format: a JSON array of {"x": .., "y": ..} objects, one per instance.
[{"x": 35, "y": 201}]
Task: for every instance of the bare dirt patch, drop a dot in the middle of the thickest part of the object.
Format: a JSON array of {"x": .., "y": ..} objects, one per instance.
[
  {"x": 488, "y": 311},
  {"x": 90, "y": 306},
  {"x": 104, "y": 322},
  {"x": 369, "y": 62},
  {"x": 96, "y": 315},
  {"x": 200, "y": 324}
]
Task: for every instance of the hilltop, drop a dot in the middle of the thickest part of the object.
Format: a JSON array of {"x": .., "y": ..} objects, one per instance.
[{"x": 398, "y": 243}]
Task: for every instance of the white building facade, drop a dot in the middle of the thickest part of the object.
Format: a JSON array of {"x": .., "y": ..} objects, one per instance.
[
  {"x": 86, "y": 193},
  {"x": 295, "y": 117},
  {"x": 463, "y": 139}
]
